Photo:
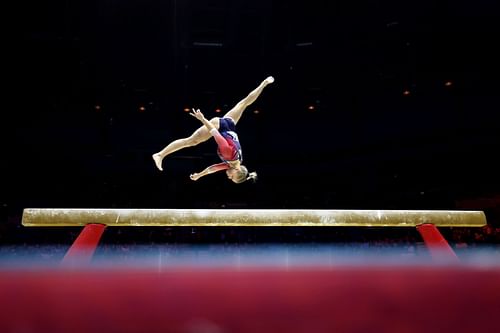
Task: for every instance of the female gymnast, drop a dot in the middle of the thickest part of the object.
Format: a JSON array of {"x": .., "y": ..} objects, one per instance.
[{"x": 224, "y": 132}]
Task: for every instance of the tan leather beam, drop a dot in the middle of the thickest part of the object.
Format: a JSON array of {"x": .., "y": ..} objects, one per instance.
[{"x": 33, "y": 217}]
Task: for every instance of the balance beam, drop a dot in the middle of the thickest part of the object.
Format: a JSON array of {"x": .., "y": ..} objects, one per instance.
[
  {"x": 96, "y": 220},
  {"x": 250, "y": 218}
]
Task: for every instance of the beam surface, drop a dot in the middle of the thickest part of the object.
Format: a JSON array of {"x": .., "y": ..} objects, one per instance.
[{"x": 36, "y": 217}]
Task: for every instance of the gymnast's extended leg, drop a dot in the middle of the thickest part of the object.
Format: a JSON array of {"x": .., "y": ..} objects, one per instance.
[
  {"x": 199, "y": 136},
  {"x": 236, "y": 112}
]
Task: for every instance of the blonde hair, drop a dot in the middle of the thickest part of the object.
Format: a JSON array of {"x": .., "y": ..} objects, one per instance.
[{"x": 244, "y": 175}]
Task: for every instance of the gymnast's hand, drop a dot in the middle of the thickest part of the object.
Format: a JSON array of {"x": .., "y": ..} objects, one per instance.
[
  {"x": 197, "y": 114},
  {"x": 195, "y": 176}
]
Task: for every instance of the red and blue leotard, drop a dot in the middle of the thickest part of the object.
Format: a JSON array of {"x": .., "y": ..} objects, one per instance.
[{"x": 228, "y": 144}]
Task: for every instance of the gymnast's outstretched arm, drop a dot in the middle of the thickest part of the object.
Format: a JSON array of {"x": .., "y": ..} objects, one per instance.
[
  {"x": 224, "y": 147},
  {"x": 211, "y": 169}
]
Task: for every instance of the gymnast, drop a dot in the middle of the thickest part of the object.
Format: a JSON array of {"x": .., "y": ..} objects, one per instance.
[{"x": 224, "y": 132}]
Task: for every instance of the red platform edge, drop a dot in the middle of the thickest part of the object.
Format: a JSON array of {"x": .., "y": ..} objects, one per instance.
[{"x": 344, "y": 299}]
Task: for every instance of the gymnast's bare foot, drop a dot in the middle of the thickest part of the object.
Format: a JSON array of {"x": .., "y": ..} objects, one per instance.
[
  {"x": 269, "y": 80},
  {"x": 157, "y": 158}
]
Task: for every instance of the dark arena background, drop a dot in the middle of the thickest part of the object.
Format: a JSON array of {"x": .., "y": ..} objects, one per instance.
[{"x": 377, "y": 204}]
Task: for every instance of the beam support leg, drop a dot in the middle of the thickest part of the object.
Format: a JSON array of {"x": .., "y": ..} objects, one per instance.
[
  {"x": 85, "y": 245},
  {"x": 436, "y": 243}
]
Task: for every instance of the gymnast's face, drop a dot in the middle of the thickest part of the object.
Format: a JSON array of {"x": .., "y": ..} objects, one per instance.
[{"x": 232, "y": 173}]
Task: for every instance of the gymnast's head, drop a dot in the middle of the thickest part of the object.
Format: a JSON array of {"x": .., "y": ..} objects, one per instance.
[{"x": 240, "y": 175}]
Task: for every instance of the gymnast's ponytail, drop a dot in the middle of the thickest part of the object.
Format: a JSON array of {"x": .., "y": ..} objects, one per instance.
[
  {"x": 252, "y": 176},
  {"x": 245, "y": 175}
]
